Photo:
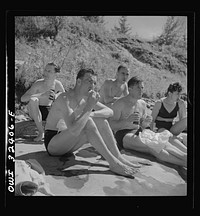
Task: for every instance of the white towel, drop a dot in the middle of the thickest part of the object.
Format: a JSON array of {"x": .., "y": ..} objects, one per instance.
[{"x": 156, "y": 141}]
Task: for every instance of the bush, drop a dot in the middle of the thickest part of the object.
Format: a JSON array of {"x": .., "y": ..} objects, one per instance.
[{"x": 80, "y": 43}]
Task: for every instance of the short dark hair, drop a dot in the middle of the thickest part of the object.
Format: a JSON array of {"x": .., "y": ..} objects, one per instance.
[
  {"x": 134, "y": 81},
  {"x": 57, "y": 68},
  {"x": 175, "y": 87},
  {"x": 83, "y": 71},
  {"x": 120, "y": 67}
]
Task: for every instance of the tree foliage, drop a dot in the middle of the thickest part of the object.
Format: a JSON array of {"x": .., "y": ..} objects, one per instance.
[
  {"x": 174, "y": 32},
  {"x": 124, "y": 27},
  {"x": 94, "y": 19},
  {"x": 33, "y": 27},
  {"x": 74, "y": 42}
]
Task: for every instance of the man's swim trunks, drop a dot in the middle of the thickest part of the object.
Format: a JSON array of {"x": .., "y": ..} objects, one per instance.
[
  {"x": 119, "y": 135},
  {"x": 44, "y": 111},
  {"x": 165, "y": 114},
  {"x": 48, "y": 135}
]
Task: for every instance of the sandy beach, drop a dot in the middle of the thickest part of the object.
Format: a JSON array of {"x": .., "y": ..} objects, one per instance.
[{"x": 86, "y": 173}]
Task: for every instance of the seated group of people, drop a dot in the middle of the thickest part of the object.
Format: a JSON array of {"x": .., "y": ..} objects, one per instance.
[{"x": 112, "y": 119}]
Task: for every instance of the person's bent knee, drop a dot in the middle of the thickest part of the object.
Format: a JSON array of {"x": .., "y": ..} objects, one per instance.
[
  {"x": 90, "y": 125},
  {"x": 102, "y": 122},
  {"x": 34, "y": 101},
  {"x": 179, "y": 127},
  {"x": 53, "y": 150}
]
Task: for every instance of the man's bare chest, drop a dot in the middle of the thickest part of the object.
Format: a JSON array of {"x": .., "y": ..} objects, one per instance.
[{"x": 116, "y": 91}]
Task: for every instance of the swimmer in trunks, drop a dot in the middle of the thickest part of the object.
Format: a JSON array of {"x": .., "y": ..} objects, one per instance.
[
  {"x": 41, "y": 95},
  {"x": 85, "y": 121},
  {"x": 127, "y": 123},
  {"x": 113, "y": 89}
]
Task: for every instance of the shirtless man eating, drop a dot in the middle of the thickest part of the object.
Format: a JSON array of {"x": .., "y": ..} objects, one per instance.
[{"x": 85, "y": 121}]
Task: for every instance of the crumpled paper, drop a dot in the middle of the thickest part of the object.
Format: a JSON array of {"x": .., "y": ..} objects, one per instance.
[
  {"x": 29, "y": 179},
  {"x": 156, "y": 141}
]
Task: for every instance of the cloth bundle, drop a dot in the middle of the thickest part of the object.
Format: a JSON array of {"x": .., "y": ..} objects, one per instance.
[
  {"x": 155, "y": 141},
  {"x": 29, "y": 179}
]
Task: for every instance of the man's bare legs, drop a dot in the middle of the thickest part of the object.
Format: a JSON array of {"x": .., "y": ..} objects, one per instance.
[
  {"x": 35, "y": 114},
  {"x": 177, "y": 143},
  {"x": 171, "y": 154},
  {"x": 109, "y": 139},
  {"x": 67, "y": 142}
]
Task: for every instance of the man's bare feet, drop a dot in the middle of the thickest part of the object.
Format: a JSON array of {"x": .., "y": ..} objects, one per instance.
[
  {"x": 145, "y": 162},
  {"x": 39, "y": 137},
  {"x": 122, "y": 169},
  {"x": 127, "y": 162}
]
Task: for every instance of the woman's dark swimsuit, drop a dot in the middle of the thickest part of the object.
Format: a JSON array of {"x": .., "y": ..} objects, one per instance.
[
  {"x": 165, "y": 114},
  {"x": 48, "y": 135},
  {"x": 44, "y": 111}
]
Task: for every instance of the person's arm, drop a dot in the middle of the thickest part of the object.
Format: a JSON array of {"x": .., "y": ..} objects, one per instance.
[
  {"x": 154, "y": 113},
  {"x": 58, "y": 89},
  {"x": 125, "y": 92},
  {"x": 32, "y": 92},
  {"x": 182, "y": 110},
  {"x": 146, "y": 119},
  {"x": 77, "y": 123},
  {"x": 101, "y": 111}
]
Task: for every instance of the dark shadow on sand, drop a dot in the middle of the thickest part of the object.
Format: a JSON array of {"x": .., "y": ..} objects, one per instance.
[{"x": 57, "y": 165}]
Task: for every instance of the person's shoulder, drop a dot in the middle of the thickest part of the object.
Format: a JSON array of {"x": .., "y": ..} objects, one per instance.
[
  {"x": 38, "y": 83},
  {"x": 108, "y": 81},
  {"x": 159, "y": 101},
  {"x": 142, "y": 101},
  {"x": 62, "y": 100},
  {"x": 62, "y": 96},
  {"x": 39, "y": 80},
  {"x": 121, "y": 102},
  {"x": 181, "y": 102},
  {"x": 58, "y": 82}
]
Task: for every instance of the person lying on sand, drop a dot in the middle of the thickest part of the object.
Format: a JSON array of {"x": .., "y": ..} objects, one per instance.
[
  {"x": 130, "y": 118},
  {"x": 85, "y": 119},
  {"x": 41, "y": 95}
]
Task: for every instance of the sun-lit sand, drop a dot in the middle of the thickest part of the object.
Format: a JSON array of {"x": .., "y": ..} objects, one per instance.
[{"x": 86, "y": 173}]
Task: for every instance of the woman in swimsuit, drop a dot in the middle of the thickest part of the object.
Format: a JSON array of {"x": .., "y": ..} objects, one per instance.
[{"x": 166, "y": 110}]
